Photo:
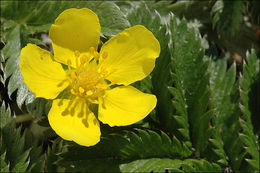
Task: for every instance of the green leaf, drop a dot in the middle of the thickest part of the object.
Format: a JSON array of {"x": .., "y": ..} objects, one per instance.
[
  {"x": 19, "y": 151},
  {"x": 51, "y": 156},
  {"x": 152, "y": 165},
  {"x": 256, "y": 11},
  {"x": 228, "y": 15},
  {"x": 240, "y": 142},
  {"x": 191, "y": 79},
  {"x": 33, "y": 14},
  {"x": 169, "y": 165},
  {"x": 4, "y": 166},
  {"x": 118, "y": 148},
  {"x": 222, "y": 83},
  {"x": 113, "y": 23},
  {"x": 249, "y": 99},
  {"x": 141, "y": 14},
  {"x": 39, "y": 107},
  {"x": 181, "y": 125},
  {"x": 11, "y": 53},
  {"x": 194, "y": 165},
  {"x": 5, "y": 115},
  {"x": 21, "y": 164}
]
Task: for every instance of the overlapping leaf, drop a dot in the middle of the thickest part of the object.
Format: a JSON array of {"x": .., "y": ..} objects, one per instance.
[
  {"x": 120, "y": 148},
  {"x": 17, "y": 154},
  {"x": 191, "y": 74},
  {"x": 249, "y": 102}
]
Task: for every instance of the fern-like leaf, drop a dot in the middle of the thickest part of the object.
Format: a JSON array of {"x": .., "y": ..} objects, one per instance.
[
  {"x": 192, "y": 77},
  {"x": 120, "y": 148},
  {"x": 228, "y": 16},
  {"x": 222, "y": 82},
  {"x": 169, "y": 165},
  {"x": 17, "y": 153},
  {"x": 249, "y": 99}
]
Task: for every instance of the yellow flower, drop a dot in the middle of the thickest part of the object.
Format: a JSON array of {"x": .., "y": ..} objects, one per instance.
[{"x": 91, "y": 77}]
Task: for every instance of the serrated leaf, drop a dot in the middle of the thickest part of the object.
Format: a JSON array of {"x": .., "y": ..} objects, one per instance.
[
  {"x": 119, "y": 148},
  {"x": 4, "y": 166},
  {"x": 152, "y": 165},
  {"x": 222, "y": 82},
  {"x": 5, "y": 115},
  {"x": 251, "y": 73},
  {"x": 191, "y": 80},
  {"x": 34, "y": 14},
  {"x": 169, "y": 165},
  {"x": 141, "y": 14},
  {"x": 21, "y": 164},
  {"x": 11, "y": 53},
  {"x": 240, "y": 142},
  {"x": 228, "y": 15},
  {"x": 16, "y": 147}
]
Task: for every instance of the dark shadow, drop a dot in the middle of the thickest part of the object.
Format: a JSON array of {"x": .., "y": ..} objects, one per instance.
[{"x": 254, "y": 105}]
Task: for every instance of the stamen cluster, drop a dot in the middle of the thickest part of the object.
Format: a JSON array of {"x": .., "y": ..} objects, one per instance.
[{"x": 87, "y": 80}]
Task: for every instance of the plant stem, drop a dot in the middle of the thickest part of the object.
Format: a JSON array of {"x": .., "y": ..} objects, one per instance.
[{"x": 24, "y": 117}]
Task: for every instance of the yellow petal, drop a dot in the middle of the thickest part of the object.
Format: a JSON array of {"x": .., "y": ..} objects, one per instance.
[
  {"x": 125, "y": 105},
  {"x": 74, "y": 30},
  {"x": 130, "y": 55},
  {"x": 43, "y": 76},
  {"x": 73, "y": 121}
]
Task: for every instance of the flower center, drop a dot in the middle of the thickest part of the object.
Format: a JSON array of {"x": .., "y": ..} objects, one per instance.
[{"x": 87, "y": 80}]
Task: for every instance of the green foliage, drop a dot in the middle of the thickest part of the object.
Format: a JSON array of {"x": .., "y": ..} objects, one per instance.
[
  {"x": 256, "y": 11},
  {"x": 51, "y": 157},
  {"x": 17, "y": 154},
  {"x": 161, "y": 165},
  {"x": 233, "y": 128},
  {"x": 221, "y": 84},
  {"x": 207, "y": 89},
  {"x": 228, "y": 15},
  {"x": 191, "y": 78},
  {"x": 121, "y": 147},
  {"x": 160, "y": 74},
  {"x": 248, "y": 107},
  {"x": 33, "y": 14}
]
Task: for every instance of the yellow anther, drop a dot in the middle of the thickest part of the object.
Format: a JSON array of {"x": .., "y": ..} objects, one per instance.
[
  {"x": 104, "y": 55},
  {"x": 73, "y": 91},
  {"x": 83, "y": 59},
  {"x": 96, "y": 55},
  {"x": 102, "y": 86},
  {"x": 104, "y": 95},
  {"x": 81, "y": 90},
  {"x": 69, "y": 62},
  {"x": 89, "y": 93},
  {"x": 73, "y": 74},
  {"x": 77, "y": 53},
  {"x": 91, "y": 50},
  {"x": 70, "y": 80},
  {"x": 93, "y": 101}
]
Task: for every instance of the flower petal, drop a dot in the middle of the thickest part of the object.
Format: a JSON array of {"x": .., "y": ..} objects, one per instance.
[
  {"x": 74, "y": 29},
  {"x": 130, "y": 55},
  {"x": 43, "y": 76},
  {"x": 73, "y": 121},
  {"x": 125, "y": 105}
]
